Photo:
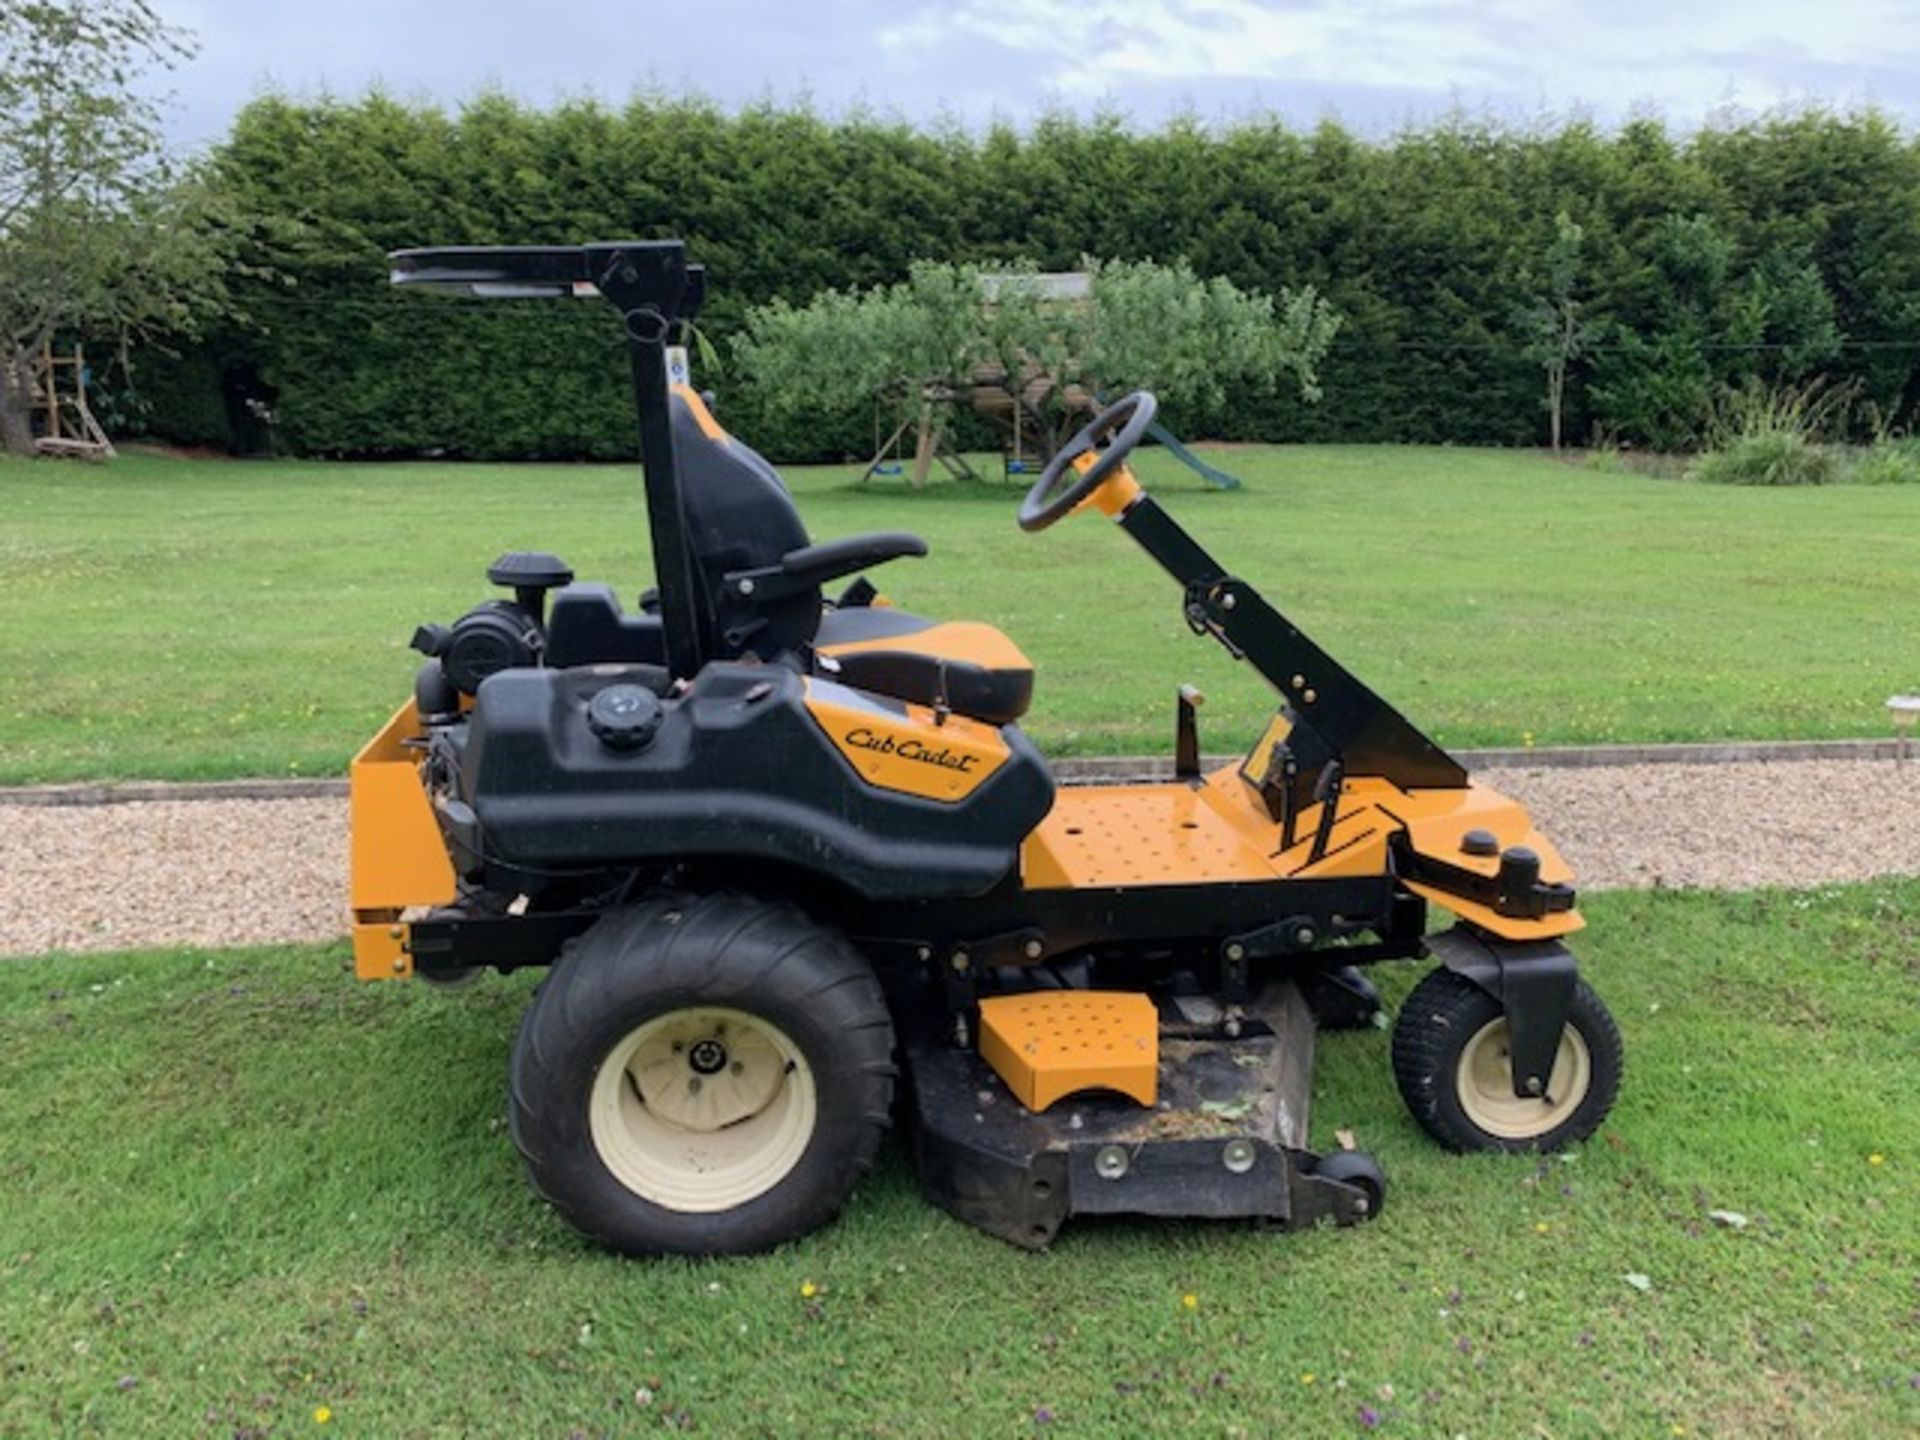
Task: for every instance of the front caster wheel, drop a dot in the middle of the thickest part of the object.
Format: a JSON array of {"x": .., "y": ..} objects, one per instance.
[
  {"x": 702, "y": 1075},
  {"x": 1450, "y": 1059},
  {"x": 1341, "y": 998}
]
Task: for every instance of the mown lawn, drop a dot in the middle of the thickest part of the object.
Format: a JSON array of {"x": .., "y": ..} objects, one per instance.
[
  {"x": 172, "y": 618},
  {"x": 243, "y": 1194}
]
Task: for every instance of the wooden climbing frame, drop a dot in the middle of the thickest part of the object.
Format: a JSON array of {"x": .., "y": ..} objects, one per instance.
[{"x": 63, "y": 421}]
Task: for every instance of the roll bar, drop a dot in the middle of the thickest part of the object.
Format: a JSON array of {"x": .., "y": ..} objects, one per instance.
[{"x": 654, "y": 288}]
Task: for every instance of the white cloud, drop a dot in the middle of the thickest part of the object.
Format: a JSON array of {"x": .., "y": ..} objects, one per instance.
[
  {"x": 1681, "y": 55},
  {"x": 1374, "y": 62}
]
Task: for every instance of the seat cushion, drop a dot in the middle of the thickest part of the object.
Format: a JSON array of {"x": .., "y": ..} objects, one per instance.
[{"x": 974, "y": 668}]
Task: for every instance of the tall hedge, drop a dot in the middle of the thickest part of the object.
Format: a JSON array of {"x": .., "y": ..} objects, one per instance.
[{"x": 1777, "y": 247}]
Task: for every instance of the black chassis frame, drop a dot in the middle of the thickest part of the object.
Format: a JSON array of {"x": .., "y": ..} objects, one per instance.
[
  {"x": 1229, "y": 930},
  {"x": 1339, "y": 726}
]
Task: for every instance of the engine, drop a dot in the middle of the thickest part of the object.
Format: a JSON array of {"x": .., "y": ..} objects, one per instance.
[{"x": 495, "y": 635}]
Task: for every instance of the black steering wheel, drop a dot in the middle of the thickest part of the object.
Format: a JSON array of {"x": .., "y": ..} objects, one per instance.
[{"x": 1123, "y": 425}]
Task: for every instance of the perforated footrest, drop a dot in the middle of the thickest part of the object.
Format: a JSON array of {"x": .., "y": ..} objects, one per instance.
[{"x": 1047, "y": 1044}]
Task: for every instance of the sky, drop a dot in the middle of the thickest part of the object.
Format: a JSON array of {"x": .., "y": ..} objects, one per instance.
[{"x": 1372, "y": 64}]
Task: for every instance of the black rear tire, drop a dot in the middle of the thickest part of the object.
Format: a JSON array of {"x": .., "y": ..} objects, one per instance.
[
  {"x": 798, "y": 991},
  {"x": 1447, "y": 1018}
]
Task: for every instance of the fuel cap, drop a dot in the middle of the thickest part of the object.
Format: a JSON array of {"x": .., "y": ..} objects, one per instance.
[{"x": 624, "y": 717}]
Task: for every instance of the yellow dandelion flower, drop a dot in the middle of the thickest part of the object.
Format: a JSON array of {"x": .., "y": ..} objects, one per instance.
[
  {"x": 1541, "y": 1228},
  {"x": 1192, "y": 1302},
  {"x": 1308, "y": 1378},
  {"x": 1876, "y": 1159},
  {"x": 322, "y": 1415},
  {"x": 808, "y": 1290}
]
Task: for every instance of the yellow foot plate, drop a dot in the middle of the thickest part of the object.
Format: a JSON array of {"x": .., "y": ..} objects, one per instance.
[{"x": 1049, "y": 1043}]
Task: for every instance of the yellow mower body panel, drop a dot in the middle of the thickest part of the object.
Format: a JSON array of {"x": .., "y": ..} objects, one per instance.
[
  {"x": 1217, "y": 832},
  {"x": 915, "y": 752},
  {"x": 397, "y": 857},
  {"x": 1437, "y": 820}
]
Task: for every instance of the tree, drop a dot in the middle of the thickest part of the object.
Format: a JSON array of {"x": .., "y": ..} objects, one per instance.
[
  {"x": 1139, "y": 324},
  {"x": 1707, "y": 325},
  {"x": 1556, "y": 334},
  {"x": 99, "y": 232}
]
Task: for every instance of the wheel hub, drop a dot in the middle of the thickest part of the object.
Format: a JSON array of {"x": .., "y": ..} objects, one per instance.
[
  {"x": 1485, "y": 1081},
  {"x": 704, "y": 1070},
  {"x": 702, "y": 1109}
]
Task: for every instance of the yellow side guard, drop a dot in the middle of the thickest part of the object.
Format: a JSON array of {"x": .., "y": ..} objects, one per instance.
[
  {"x": 1049, "y": 1043},
  {"x": 397, "y": 857}
]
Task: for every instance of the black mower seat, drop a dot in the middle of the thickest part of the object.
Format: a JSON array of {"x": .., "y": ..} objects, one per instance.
[{"x": 974, "y": 668}]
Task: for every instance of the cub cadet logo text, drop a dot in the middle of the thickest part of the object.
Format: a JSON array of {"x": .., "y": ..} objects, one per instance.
[{"x": 909, "y": 749}]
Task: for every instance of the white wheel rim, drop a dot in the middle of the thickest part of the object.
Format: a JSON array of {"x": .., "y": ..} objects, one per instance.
[
  {"x": 1484, "y": 1080},
  {"x": 703, "y": 1109}
]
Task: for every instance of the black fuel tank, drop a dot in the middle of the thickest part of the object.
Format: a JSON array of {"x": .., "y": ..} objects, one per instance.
[{"x": 739, "y": 766}]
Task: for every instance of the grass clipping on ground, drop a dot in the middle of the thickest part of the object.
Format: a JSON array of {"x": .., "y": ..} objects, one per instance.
[{"x": 246, "y": 1195}]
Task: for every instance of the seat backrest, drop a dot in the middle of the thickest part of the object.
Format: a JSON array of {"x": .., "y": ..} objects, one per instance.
[{"x": 739, "y": 517}]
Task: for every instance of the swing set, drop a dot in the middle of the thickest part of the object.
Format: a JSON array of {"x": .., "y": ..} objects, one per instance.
[
  {"x": 926, "y": 415},
  {"x": 1016, "y": 404},
  {"x": 1015, "y": 410}
]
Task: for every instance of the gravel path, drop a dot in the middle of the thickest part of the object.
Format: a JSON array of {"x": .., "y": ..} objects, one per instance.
[{"x": 233, "y": 872}]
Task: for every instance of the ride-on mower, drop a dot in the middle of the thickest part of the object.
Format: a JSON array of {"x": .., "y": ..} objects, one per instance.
[{"x": 797, "y": 870}]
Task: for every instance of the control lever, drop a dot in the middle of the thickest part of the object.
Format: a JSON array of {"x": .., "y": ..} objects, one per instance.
[
  {"x": 1277, "y": 791},
  {"x": 1326, "y": 790},
  {"x": 1186, "y": 744}
]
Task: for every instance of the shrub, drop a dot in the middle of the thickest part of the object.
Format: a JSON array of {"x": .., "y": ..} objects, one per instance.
[
  {"x": 1885, "y": 462},
  {"x": 1767, "y": 457},
  {"x": 1604, "y": 456},
  {"x": 177, "y": 398},
  {"x": 1762, "y": 435},
  {"x": 1425, "y": 242}
]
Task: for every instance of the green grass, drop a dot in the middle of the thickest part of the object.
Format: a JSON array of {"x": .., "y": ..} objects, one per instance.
[
  {"x": 196, "y": 619},
  {"x": 240, "y": 1187}
]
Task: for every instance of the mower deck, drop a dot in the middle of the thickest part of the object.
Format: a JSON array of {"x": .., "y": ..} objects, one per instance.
[{"x": 1226, "y": 1138}]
